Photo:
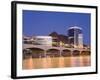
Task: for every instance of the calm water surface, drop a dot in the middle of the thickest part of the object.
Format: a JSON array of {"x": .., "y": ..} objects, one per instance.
[{"x": 56, "y": 62}]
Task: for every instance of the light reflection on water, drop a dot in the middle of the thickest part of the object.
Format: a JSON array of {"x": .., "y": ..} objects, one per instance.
[{"x": 56, "y": 62}]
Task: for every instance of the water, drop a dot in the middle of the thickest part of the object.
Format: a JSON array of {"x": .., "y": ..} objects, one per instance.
[{"x": 56, "y": 62}]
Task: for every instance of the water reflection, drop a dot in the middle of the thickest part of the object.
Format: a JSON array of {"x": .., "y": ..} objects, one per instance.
[
  {"x": 36, "y": 58},
  {"x": 56, "y": 62}
]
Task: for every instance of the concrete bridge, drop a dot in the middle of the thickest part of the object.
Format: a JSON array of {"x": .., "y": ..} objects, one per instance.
[
  {"x": 44, "y": 51},
  {"x": 28, "y": 46}
]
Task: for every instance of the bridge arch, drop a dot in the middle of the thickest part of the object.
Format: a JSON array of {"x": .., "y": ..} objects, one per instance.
[
  {"x": 53, "y": 52},
  {"x": 85, "y": 52},
  {"x": 76, "y": 53},
  {"x": 37, "y": 52},
  {"x": 27, "y": 53},
  {"x": 66, "y": 52}
]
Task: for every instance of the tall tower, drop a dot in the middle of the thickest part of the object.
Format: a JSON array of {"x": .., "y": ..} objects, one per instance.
[{"x": 75, "y": 37}]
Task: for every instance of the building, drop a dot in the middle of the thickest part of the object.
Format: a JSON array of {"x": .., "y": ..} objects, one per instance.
[
  {"x": 38, "y": 40},
  {"x": 55, "y": 39},
  {"x": 58, "y": 39},
  {"x": 27, "y": 40},
  {"x": 42, "y": 40},
  {"x": 75, "y": 37}
]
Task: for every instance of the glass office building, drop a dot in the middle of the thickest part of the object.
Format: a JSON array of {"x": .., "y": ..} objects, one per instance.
[{"x": 75, "y": 37}]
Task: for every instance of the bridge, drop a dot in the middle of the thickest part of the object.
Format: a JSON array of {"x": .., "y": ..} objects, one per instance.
[
  {"x": 28, "y": 46},
  {"x": 44, "y": 51}
]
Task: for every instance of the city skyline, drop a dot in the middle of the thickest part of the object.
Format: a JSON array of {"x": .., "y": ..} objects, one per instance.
[{"x": 42, "y": 23}]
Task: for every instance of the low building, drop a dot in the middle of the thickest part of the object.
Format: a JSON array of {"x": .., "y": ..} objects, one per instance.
[
  {"x": 27, "y": 40},
  {"x": 42, "y": 40}
]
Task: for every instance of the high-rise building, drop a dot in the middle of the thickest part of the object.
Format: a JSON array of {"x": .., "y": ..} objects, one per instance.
[{"x": 75, "y": 37}]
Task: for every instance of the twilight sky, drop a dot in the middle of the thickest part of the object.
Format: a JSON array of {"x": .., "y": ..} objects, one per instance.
[{"x": 44, "y": 22}]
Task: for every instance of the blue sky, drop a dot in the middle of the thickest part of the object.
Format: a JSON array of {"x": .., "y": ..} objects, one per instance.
[{"x": 44, "y": 22}]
